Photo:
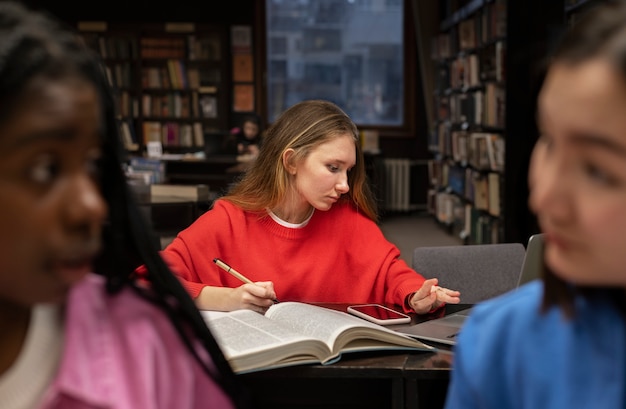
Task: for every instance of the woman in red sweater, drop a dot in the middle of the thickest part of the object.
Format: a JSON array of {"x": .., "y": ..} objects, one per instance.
[{"x": 301, "y": 224}]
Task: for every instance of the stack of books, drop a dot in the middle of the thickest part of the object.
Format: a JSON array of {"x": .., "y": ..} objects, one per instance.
[{"x": 198, "y": 193}]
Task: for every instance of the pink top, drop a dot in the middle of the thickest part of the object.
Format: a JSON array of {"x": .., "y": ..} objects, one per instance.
[{"x": 122, "y": 352}]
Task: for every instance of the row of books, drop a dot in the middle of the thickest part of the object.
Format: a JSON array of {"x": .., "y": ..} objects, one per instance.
[
  {"x": 119, "y": 75},
  {"x": 162, "y": 47},
  {"x": 487, "y": 25},
  {"x": 480, "y": 150},
  {"x": 168, "y": 105},
  {"x": 470, "y": 70},
  {"x": 191, "y": 47},
  {"x": 175, "y": 75},
  {"x": 472, "y": 225},
  {"x": 485, "y": 106},
  {"x": 112, "y": 47},
  {"x": 204, "y": 48},
  {"x": 174, "y": 133},
  {"x": 461, "y": 72},
  {"x": 176, "y": 105},
  {"x": 127, "y": 105},
  {"x": 481, "y": 190},
  {"x": 132, "y": 46}
]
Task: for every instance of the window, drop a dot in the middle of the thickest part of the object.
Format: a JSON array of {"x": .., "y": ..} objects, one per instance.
[{"x": 346, "y": 51}]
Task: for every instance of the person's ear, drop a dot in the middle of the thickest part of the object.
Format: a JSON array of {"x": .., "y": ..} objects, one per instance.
[{"x": 289, "y": 161}]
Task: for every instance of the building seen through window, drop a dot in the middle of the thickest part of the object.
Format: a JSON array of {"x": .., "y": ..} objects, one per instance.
[{"x": 349, "y": 52}]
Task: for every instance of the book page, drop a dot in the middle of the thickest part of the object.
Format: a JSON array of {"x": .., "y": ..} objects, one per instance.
[
  {"x": 341, "y": 331},
  {"x": 249, "y": 341},
  {"x": 316, "y": 322}
]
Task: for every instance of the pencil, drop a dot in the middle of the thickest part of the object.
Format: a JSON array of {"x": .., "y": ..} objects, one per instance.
[{"x": 235, "y": 273}]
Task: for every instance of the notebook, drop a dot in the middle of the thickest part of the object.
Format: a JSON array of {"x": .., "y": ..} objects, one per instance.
[{"x": 445, "y": 330}]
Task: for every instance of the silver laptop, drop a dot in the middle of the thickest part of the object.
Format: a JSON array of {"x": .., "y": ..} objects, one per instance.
[
  {"x": 445, "y": 330},
  {"x": 533, "y": 260}
]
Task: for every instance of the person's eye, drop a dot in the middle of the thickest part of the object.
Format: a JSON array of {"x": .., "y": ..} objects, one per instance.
[
  {"x": 333, "y": 168},
  {"x": 546, "y": 141},
  {"x": 44, "y": 169},
  {"x": 599, "y": 176}
]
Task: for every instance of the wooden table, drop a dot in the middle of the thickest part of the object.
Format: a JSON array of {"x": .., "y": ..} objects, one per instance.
[{"x": 376, "y": 380}]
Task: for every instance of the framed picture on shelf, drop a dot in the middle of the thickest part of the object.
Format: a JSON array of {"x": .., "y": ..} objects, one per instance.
[
  {"x": 241, "y": 38},
  {"x": 243, "y": 98},
  {"x": 208, "y": 106},
  {"x": 242, "y": 68}
]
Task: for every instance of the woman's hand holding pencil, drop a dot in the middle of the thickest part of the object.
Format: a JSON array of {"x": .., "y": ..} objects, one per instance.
[{"x": 268, "y": 286}]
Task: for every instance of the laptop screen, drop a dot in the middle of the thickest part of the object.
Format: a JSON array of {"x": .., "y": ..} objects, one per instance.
[{"x": 533, "y": 260}]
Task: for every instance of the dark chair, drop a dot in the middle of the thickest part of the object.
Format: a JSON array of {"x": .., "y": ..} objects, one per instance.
[{"x": 478, "y": 271}]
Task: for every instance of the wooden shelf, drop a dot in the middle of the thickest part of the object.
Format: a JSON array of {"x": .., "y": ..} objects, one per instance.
[
  {"x": 171, "y": 80},
  {"x": 469, "y": 126}
]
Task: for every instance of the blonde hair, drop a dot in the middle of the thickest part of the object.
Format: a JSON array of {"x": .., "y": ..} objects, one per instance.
[{"x": 302, "y": 127}]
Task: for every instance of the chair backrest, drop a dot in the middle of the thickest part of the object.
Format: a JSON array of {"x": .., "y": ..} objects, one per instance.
[
  {"x": 533, "y": 262},
  {"x": 478, "y": 271}
]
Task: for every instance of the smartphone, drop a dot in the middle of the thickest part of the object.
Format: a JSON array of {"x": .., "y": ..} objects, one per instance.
[{"x": 379, "y": 314}]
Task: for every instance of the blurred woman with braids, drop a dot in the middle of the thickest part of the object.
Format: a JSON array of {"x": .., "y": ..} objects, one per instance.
[{"x": 76, "y": 327}]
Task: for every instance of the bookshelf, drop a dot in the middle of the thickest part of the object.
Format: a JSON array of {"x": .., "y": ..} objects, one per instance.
[
  {"x": 531, "y": 28},
  {"x": 169, "y": 81},
  {"x": 467, "y": 142}
]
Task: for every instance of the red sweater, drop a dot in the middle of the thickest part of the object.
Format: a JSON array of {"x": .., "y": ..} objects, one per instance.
[{"x": 339, "y": 256}]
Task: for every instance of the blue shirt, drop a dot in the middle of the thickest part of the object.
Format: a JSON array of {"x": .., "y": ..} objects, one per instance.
[{"x": 510, "y": 355}]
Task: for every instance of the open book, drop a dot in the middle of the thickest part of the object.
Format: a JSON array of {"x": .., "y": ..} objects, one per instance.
[{"x": 292, "y": 333}]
